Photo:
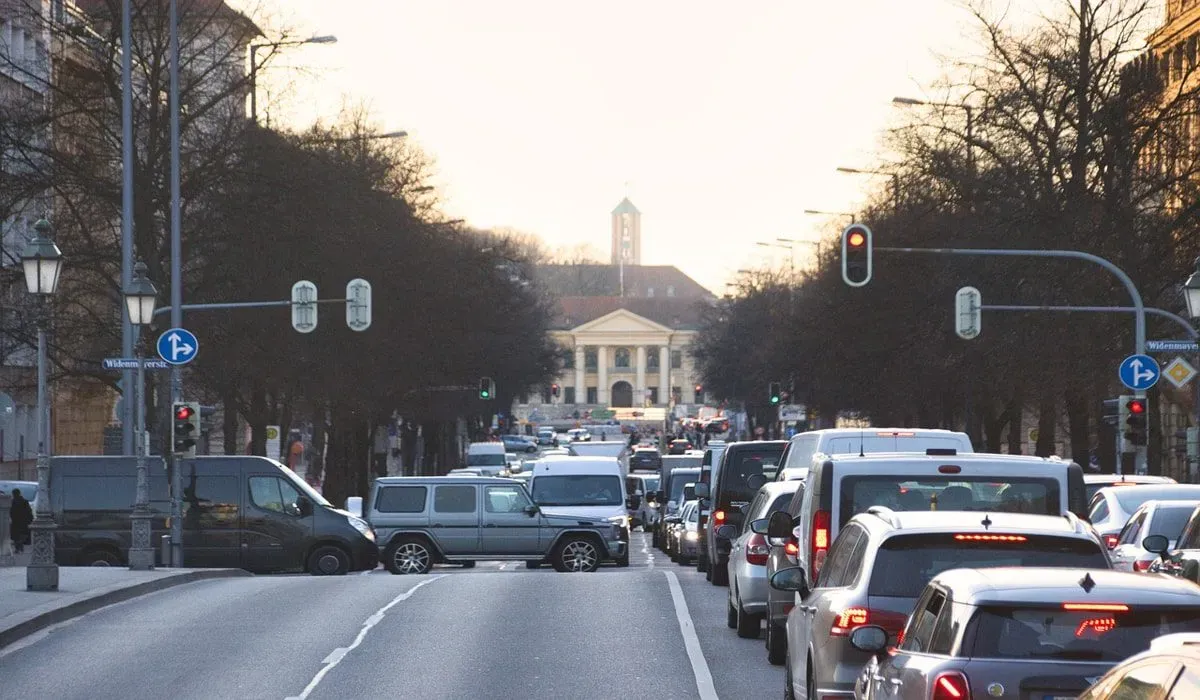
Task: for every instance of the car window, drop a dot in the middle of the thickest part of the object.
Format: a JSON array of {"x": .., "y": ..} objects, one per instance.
[
  {"x": 693, "y": 515},
  {"x": 900, "y": 492},
  {"x": 1099, "y": 512},
  {"x": 1190, "y": 538},
  {"x": 854, "y": 565},
  {"x": 401, "y": 499},
  {"x": 1131, "y": 497},
  {"x": 833, "y": 572},
  {"x": 1168, "y": 521},
  {"x": 578, "y": 490},
  {"x": 274, "y": 494},
  {"x": 486, "y": 460},
  {"x": 454, "y": 499},
  {"x": 1051, "y": 633},
  {"x": 1188, "y": 684},
  {"x": 211, "y": 501},
  {"x": 918, "y": 636},
  {"x": 802, "y": 450},
  {"x": 739, "y": 465},
  {"x": 509, "y": 498},
  {"x": 1129, "y": 534},
  {"x": 754, "y": 507},
  {"x": 944, "y": 630}
]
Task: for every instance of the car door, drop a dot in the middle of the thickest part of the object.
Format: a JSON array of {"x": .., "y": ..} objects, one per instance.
[
  {"x": 903, "y": 673},
  {"x": 508, "y": 529},
  {"x": 454, "y": 520},
  {"x": 212, "y": 505},
  {"x": 275, "y": 531},
  {"x": 1129, "y": 543},
  {"x": 806, "y": 618},
  {"x": 829, "y": 650}
]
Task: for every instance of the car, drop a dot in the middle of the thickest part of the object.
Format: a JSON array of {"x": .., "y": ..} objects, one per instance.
[
  {"x": 487, "y": 457},
  {"x": 881, "y": 561},
  {"x": 797, "y": 458},
  {"x": 643, "y": 507},
  {"x": 748, "y": 555},
  {"x": 546, "y": 437},
  {"x": 678, "y": 447},
  {"x": 578, "y": 435},
  {"x": 29, "y": 490},
  {"x": 1039, "y": 633},
  {"x": 645, "y": 459},
  {"x": 1095, "y": 482},
  {"x": 783, "y": 553},
  {"x": 584, "y": 487},
  {"x": 1184, "y": 561},
  {"x": 744, "y": 468},
  {"x": 1166, "y": 518},
  {"x": 1111, "y": 507},
  {"x": 519, "y": 443},
  {"x": 671, "y": 496},
  {"x": 423, "y": 521},
  {"x": 1169, "y": 670},
  {"x": 840, "y": 486},
  {"x": 709, "y": 468},
  {"x": 684, "y": 535}
]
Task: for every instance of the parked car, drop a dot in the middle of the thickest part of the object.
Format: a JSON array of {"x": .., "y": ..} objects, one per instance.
[
  {"x": 1169, "y": 670},
  {"x": 748, "y": 555},
  {"x": 423, "y": 521},
  {"x": 1166, "y": 518},
  {"x": 519, "y": 444},
  {"x": 798, "y": 456},
  {"x": 1095, "y": 482},
  {"x": 1028, "y": 632}
]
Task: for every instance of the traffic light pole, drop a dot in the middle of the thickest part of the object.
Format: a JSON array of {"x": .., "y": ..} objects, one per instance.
[
  {"x": 141, "y": 549},
  {"x": 1139, "y": 309}
]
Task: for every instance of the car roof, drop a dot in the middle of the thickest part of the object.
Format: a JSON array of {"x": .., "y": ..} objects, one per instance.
[
  {"x": 777, "y": 488},
  {"x": 1043, "y": 585},
  {"x": 960, "y": 458},
  {"x": 1180, "y": 489},
  {"x": 924, "y": 521},
  {"x": 1126, "y": 478},
  {"x": 854, "y": 432},
  {"x": 448, "y": 478},
  {"x": 1156, "y": 503},
  {"x": 753, "y": 443}
]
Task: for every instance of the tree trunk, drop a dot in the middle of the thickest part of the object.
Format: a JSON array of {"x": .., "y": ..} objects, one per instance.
[
  {"x": 1047, "y": 420},
  {"x": 993, "y": 426},
  {"x": 1016, "y": 414},
  {"x": 1079, "y": 424},
  {"x": 257, "y": 419},
  {"x": 233, "y": 440},
  {"x": 1154, "y": 436}
]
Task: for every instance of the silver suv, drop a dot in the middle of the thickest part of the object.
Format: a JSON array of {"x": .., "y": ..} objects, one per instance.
[{"x": 421, "y": 521}]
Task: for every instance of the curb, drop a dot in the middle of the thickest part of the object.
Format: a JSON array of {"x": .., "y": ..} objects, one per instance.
[{"x": 108, "y": 597}]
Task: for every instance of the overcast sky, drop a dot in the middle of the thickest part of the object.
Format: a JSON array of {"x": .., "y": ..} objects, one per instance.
[{"x": 726, "y": 120}]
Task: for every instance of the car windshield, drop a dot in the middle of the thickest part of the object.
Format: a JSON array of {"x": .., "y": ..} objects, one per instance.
[
  {"x": 693, "y": 514},
  {"x": 679, "y": 480},
  {"x": 577, "y": 490},
  {"x": 740, "y": 466},
  {"x": 650, "y": 483},
  {"x": 1131, "y": 497},
  {"x": 995, "y": 494},
  {"x": 905, "y": 563},
  {"x": 302, "y": 486},
  {"x": 490, "y": 459},
  {"x": 1050, "y": 632}
]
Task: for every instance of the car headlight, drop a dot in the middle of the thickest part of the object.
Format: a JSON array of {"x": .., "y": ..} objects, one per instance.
[
  {"x": 619, "y": 520},
  {"x": 693, "y": 535},
  {"x": 653, "y": 504},
  {"x": 362, "y": 526}
]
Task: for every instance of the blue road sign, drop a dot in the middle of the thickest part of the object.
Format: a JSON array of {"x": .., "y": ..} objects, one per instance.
[
  {"x": 1138, "y": 372},
  {"x": 178, "y": 346}
]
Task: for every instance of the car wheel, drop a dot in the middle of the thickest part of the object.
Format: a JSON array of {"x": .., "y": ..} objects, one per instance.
[
  {"x": 776, "y": 644},
  {"x": 730, "y": 614},
  {"x": 576, "y": 554},
  {"x": 410, "y": 556},
  {"x": 531, "y": 564},
  {"x": 810, "y": 688},
  {"x": 99, "y": 557},
  {"x": 747, "y": 624},
  {"x": 623, "y": 561},
  {"x": 720, "y": 574},
  {"x": 328, "y": 561}
]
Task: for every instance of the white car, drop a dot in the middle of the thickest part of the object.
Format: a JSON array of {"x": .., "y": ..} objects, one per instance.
[
  {"x": 1165, "y": 518},
  {"x": 1112, "y": 506}
]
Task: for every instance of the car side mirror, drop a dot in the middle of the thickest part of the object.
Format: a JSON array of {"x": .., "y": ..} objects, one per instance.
[
  {"x": 1158, "y": 544},
  {"x": 869, "y": 638},
  {"x": 759, "y": 527},
  {"x": 791, "y": 579},
  {"x": 305, "y": 506},
  {"x": 726, "y": 532},
  {"x": 779, "y": 524},
  {"x": 756, "y": 481},
  {"x": 703, "y": 490},
  {"x": 531, "y": 509},
  {"x": 354, "y": 504}
]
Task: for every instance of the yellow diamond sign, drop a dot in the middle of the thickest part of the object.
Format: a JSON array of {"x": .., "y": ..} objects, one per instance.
[{"x": 1179, "y": 372}]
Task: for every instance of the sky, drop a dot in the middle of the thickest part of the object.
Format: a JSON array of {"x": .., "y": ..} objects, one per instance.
[{"x": 721, "y": 121}]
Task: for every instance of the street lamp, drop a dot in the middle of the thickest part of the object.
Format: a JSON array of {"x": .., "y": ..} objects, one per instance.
[
  {"x": 42, "y": 262},
  {"x": 818, "y": 212},
  {"x": 970, "y": 131},
  {"x": 140, "y": 299},
  {"x": 1191, "y": 292},
  {"x": 326, "y": 39},
  {"x": 895, "y": 178}
]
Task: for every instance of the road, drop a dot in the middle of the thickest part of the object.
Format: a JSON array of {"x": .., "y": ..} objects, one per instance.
[{"x": 495, "y": 631}]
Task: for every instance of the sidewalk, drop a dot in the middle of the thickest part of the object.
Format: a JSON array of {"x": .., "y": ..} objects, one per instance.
[{"x": 81, "y": 589}]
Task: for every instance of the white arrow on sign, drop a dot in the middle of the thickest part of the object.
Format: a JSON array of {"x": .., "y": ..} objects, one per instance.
[
  {"x": 179, "y": 349},
  {"x": 1138, "y": 374}
]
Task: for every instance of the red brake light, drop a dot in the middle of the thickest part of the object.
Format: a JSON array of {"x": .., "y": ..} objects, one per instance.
[
  {"x": 1142, "y": 565},
  {"x": 991, "y": 538},
  {"x": 1111, "y": 541},
  {"x": 757, "y": 550},
  {"x": 820, "y": 541},
  {"x": 1099, "y": 625},
  {"x": 949, "y": 469},
  {"x": 719, "y": 516},
  {"x": 951, "y": 685},
  {"x": 847, "y": 620},
  {"x": 1097, "y": 607}
]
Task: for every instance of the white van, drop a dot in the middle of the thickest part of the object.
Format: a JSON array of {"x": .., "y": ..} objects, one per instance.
[
  {"x": 585, "y": 487},
  {"x": 487, "y": 457},
  {"x": 797, "y": 457},
  {"x": 611, "y": 448},
  {"x": 842, "y": 486}
]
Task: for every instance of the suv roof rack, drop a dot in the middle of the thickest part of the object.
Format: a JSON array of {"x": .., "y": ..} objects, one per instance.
[{"x": 886, "y": 514}]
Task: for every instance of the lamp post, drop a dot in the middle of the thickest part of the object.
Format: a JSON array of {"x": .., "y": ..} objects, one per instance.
[
  {"x": 818, "y": 212},
  {"x": 970, "y": 131},
  {"x": 254, "y": 64},
  {"x": 42, "y": 262},
  {"x": 895, "y": 179},
  {"x": 140, "y": 298}
]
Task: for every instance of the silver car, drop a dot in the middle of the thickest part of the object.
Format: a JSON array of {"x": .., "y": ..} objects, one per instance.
[
  {"x": 1022, "y": 633},
  {"x": 747, "y": 603},
  {"x": 685, "y": 534},
  {"x": 1165, "y": 518},
  {"x": 1112, "y": 506}
]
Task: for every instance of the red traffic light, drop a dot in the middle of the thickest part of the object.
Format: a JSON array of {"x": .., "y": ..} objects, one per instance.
[
  {"x": 699, "y": 387},
  {"x": 856, "y": 239},
  {"x": 184, "y": 412},
  {"x": 1136, "y": 406}
]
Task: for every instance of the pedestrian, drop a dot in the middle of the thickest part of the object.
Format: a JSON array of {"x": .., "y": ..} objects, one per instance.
[{"x": 20, "y": 517}]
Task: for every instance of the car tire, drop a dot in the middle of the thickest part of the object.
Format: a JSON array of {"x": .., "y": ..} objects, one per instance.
[
  {"x": 776, "y": 644},
  {"x": 100, "y": 556},
  {"x": 411, "y": 555},
  {"x": 747, "y": 624},
  {"x": 720, "y": 574},
  {"x": 532, "y": 564},
  {"x": 731, "y": 615},
  {"x": 328, "y": 560},
  {"x": 623, "y": 562},
  {"x": 575, "y": 555}
]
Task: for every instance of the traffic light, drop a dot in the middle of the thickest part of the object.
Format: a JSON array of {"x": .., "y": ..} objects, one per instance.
[
  {"x": 185, "y": 428},
  {"x": 699, "y": 391},
  {"x": 554, "y": 390},
  {"x": 487, "y": 389},
  {"x": 856, "y": 255},
  {"x": 1136, "y": 421},
  {"x": 774, "y": 391}
]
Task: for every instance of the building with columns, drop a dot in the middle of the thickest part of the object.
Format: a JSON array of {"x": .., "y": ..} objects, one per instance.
[{"x": 625, "y": 330}]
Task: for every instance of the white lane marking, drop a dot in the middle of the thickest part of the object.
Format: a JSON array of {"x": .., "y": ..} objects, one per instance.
[
  {"x": 648, "y": 553},
  {"x": 337, "y": 655},
  {"x": 704, "y": 679}
]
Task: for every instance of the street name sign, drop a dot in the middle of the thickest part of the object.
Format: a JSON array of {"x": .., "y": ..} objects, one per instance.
[
  {"x": 1138, "y": 372},
  {"x": 178, "y": 346},
  {"x": 1172, "y": 346},
  {"x": 132, "y": 363},
  {"x": 1179, "y": 372},
  {"x": 792, "y": 412}
]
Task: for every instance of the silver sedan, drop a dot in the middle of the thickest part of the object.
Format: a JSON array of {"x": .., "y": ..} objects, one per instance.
[{"x": 748, "y": 558}]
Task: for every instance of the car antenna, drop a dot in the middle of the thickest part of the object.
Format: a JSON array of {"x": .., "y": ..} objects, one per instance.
[
  {"x": 862, "y": 438},
  {"x": 986, "y": 522}
]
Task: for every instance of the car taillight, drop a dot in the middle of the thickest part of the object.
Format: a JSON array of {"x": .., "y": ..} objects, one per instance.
[
  {"x": 719, "y": 517},
  {"x": 757, "y": 550},
  {"x": 1110, "y": 541},
  {"x": 1141, "y": 565},
  {"x": 951, "y": 685},
  {"x": 820, "y": 541},
  {"x": 847, "y": 620}
]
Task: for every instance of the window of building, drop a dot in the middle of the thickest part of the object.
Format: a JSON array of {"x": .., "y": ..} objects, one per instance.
[
  {"x": 652, "y": 358},
  {"x": 676, "y": 359},
  {"x": 589, "y": 359},
  {"x": 650, "y": 292},
  {"x": 569, "y": 359},
  {"x": 621, "y": 358},
  {"x": 592, "y": 397},
  {"x": 546, "y": 395},
  {"x": 670, "y": 291},
  {"x": 569, "y": 395},
  {"x": 677, "y": 394},
  {"x": 652, "y": 394}
]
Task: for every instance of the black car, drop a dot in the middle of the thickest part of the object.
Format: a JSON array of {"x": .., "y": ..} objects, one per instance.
[{"x": 645, "y": 458}]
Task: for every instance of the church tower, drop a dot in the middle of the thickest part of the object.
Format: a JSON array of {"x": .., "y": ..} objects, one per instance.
[{"x": 626, "y": 234}]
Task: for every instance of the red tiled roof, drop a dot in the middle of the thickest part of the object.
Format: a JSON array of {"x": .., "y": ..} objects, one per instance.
[
  {"x": 678, "y": 314},
  {"x": 649, "y": 281}
]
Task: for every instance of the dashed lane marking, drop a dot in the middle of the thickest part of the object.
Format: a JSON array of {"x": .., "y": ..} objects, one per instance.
[{"x": 704, "y": 679}]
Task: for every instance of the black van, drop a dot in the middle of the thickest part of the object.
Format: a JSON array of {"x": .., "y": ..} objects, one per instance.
[
  {"x": 743, "y": 468},
  {"x": 238, "y": 512}
]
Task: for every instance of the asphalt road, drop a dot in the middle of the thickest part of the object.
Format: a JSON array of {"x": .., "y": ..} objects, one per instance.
[{"x": 498, "y": 631}]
